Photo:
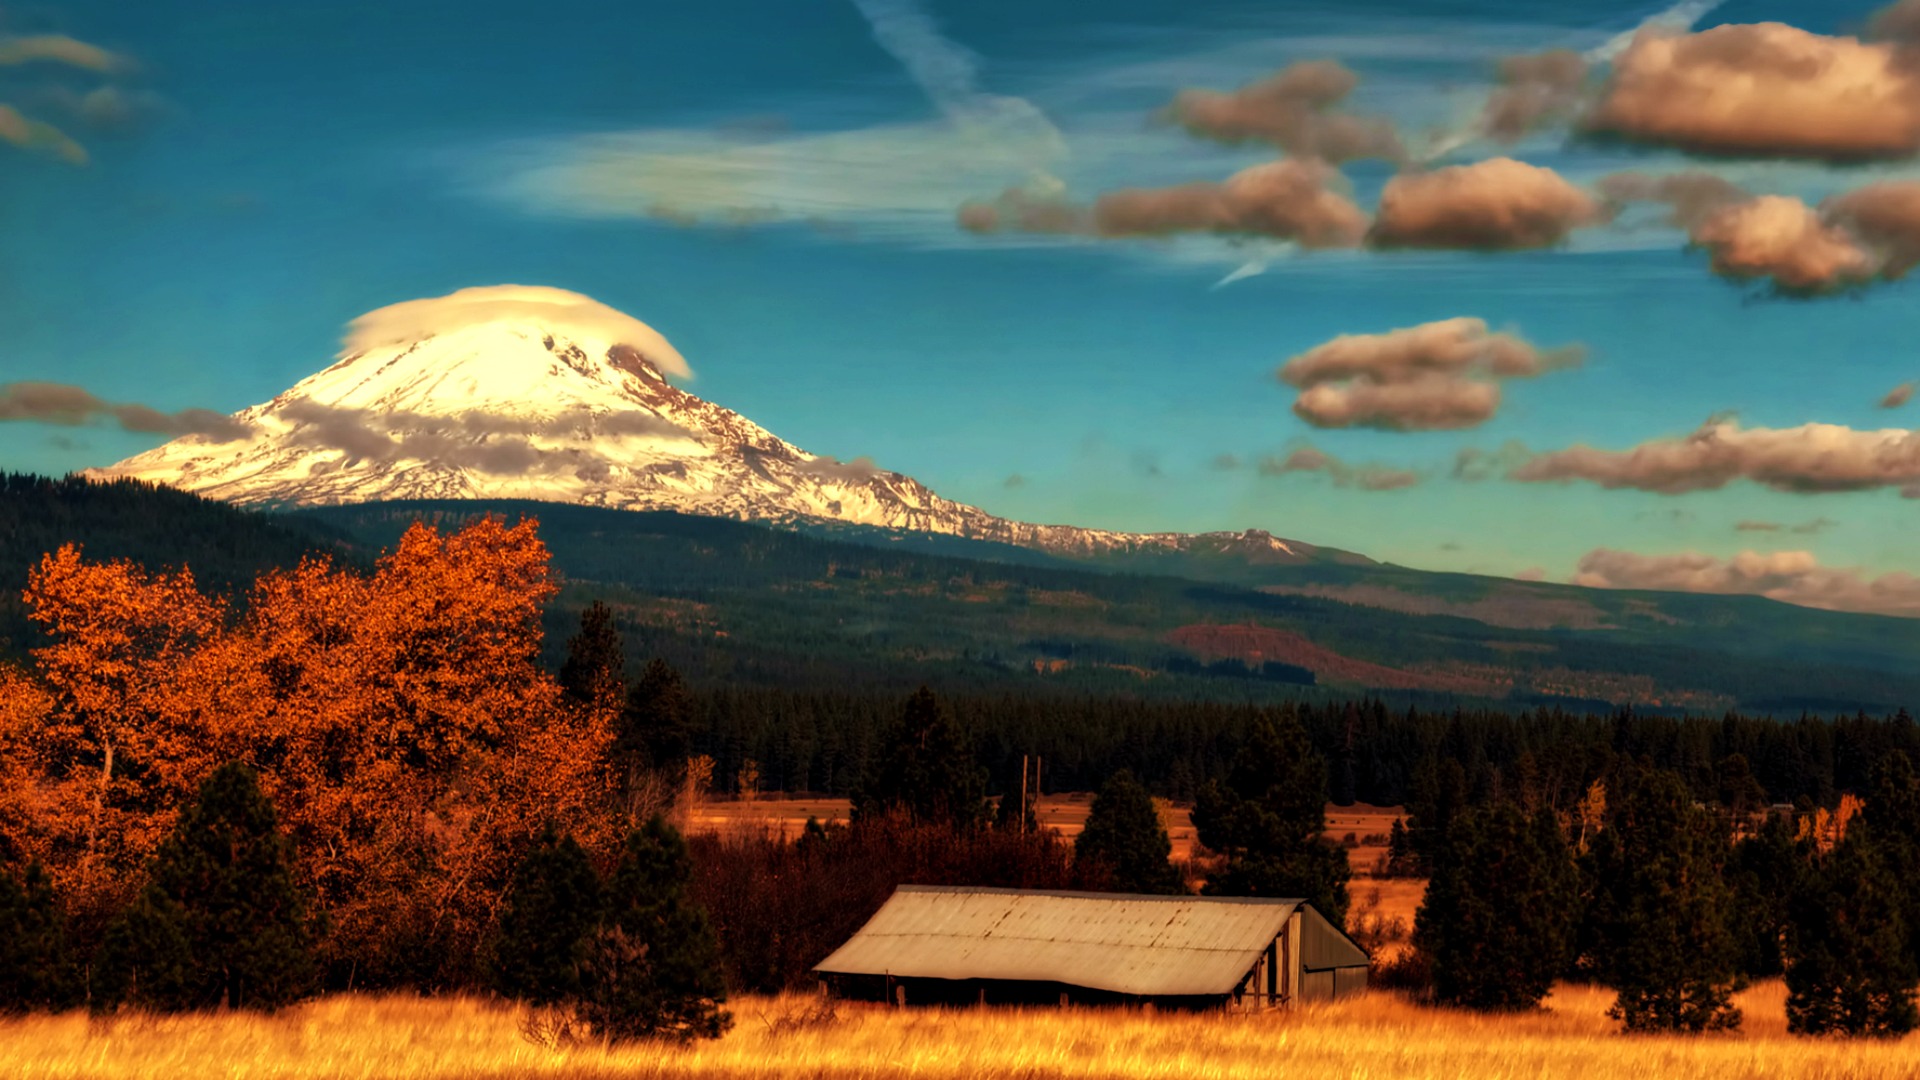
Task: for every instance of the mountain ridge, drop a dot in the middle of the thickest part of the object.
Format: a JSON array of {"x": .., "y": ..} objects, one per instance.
[{"x": 512, "y": 407}]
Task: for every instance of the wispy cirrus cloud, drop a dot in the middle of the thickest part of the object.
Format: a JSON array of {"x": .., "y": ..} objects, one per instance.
[{"x": 1370, "y": 476}]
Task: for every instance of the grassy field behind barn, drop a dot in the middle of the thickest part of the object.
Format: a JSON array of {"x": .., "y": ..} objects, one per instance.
[{"x": 1378, "y": 1037}]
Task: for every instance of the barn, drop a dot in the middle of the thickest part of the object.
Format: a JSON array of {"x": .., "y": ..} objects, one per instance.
[{"x": 937, "y": 945}]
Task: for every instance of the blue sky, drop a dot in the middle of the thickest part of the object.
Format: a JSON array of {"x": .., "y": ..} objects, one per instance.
[{"x": 775, "y": 189}]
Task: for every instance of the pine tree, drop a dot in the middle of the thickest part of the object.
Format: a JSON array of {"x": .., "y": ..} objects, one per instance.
[
  {"x": 1738, "y": 791},
  {"x": 1849, "y": 969},
  {"x": 1268, "y": 819},
  {"x": 541, "y": 946},
  {"x": 220, "y": 923},
  {"x": 1764, "y": 874},
  {"x": 656, "y": 725},
  {"x": 1439, "y": 791},
  {"x": 926, "y": 769},
  {"x": 36, "y": 968},
  {"x": 653, "y": 967},
  {"x": 1015, "y": 813},
  {"x": 1124, "y": 836},
  {"x": 1893, "y": 813},
  {"x": 1497, "y": 922},
  {"x": 594, "y": 673},
  {"x": 1659, "y": 910}
]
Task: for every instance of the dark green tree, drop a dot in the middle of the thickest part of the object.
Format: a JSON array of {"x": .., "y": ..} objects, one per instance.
[
  {"x": 1659, "y": 910},
  {"x": 926, "y": 769},
  {"x": 594, "y": 673},
  {"x": 1125, "y": 838},
  {"x": 1764, "y": 874},
  {"x": 1849, "y": 970},
  {"x": 36, "y": 967},
  {"x": 220, "y": 922},
  {"x": 1893, "y": 814},
  {"x": 541, "y": 946},
  {"x": 653, "y": 967},
  {"x": 1267, "y": 820},
  {"x": 1439, "y": 791},
  {"x": 1739, "y": 793},
  {"x": 1497, "y": 922},
  {"x": 1015, "y": 811},
  {"x": 656, "y": 725}
]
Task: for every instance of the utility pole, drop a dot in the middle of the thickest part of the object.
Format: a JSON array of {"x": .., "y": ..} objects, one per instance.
[{"x": 1023, "y": 793}]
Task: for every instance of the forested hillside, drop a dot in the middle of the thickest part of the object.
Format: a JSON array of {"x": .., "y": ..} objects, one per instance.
[
  {"x": 746, "y": 605},
  {"x": 753, "y": 607},
  {"x": 155, "y": 526}
]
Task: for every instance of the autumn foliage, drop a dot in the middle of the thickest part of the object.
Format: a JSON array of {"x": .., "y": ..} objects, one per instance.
[{"x": 399, "y": 720}]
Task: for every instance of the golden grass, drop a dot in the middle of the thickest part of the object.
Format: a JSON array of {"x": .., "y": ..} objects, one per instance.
[{"x": 1376, "y": 1037}]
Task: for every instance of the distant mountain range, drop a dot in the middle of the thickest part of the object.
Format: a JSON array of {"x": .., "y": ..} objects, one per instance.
[
  {"x": 875, "y": 611},
  {"x": 514, "y": 409},
  {"x": 747, "y": 558}
]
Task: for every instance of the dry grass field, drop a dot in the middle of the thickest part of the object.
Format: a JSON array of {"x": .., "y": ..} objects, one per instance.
[
  {"x": 1065, "y": 813},
  {"x": 1377, "y": 1037}
]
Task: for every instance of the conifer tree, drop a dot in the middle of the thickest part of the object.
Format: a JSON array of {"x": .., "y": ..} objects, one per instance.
[
  {"x": 36, "y": 968},
  {"x": 1268, "y": 819},
  {"x": 1849, "y": 969},
  {"x": 220, "y": 923},
  {"x": 653, "y": 967},
  {"x": 1124, "y": 836},
  {"x": 541, "y": 946},
  {"x": 1738, "y": 791},
  {"x": 1015, "y": 813},
  {"x": 656, "y": 725},
  {"x": 1764, "y": 874},
  {"x": 1497, "y": 922},
  {"x": 926, "y": 769},
  {"x": 594, "y": 673},
  {"x": 1892, "y": 812},
  {"x": 1659, "y": 910},
  {"x": 1439, "y": 791}
]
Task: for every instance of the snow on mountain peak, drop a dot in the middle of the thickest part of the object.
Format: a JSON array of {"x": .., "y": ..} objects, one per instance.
[
  {"x": 518, "y": 392},
  {"x": 556, "y": 310}
]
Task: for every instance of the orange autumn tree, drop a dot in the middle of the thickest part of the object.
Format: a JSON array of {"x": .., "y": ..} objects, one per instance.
[{"x": 400, "y": 721}]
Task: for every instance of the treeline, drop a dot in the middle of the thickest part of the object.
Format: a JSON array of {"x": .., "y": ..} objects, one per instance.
[
  {"x": 363, "y": 780},
  {"x": 825, "y": 742},
  {"x": 1676, "y": 904},
  {"x": 152, "y": 524},
  {"x": 366, "y": 779}
]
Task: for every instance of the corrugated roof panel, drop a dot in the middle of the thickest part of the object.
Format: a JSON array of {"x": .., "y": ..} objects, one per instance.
[{"x": 1152, "y": 946}]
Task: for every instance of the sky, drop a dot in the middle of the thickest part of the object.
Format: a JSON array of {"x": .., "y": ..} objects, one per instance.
[{"x": 1132, "y": 265}]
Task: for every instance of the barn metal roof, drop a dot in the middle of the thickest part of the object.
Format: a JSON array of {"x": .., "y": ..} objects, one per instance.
[{"x": 1151, "y": 946}]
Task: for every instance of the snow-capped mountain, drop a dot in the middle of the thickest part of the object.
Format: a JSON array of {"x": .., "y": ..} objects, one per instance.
[{"x": 528, "y": 393}]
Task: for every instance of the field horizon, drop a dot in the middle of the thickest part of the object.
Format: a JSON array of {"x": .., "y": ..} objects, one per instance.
[{"x": 1377, "y": 1035}]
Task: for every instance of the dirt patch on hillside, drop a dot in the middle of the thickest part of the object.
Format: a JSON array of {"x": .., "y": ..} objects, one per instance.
[
  {"x": 1508, "y": 606},
  {"x": 1256, "y": 645}
]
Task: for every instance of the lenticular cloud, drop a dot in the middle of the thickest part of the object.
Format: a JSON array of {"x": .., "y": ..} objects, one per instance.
[{"x": 553, "y": 309}]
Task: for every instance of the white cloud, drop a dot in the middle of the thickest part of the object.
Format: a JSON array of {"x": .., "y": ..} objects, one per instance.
[{"x": 1791, "y": 577}]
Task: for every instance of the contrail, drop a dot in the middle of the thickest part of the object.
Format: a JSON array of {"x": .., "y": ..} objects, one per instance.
[
  {"x": 1681, "y": 16},
  {"x": 946, "y": 71},
  {"x": 1245, "y": 270},
  {"x": 949, "y": 74}
]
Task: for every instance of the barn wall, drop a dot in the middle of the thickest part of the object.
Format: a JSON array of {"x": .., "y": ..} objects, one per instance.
[{"x": 1347, "y": 981}]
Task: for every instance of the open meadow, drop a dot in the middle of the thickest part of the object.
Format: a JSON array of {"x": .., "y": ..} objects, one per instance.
[{"x": 1375, "y": 1036}]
